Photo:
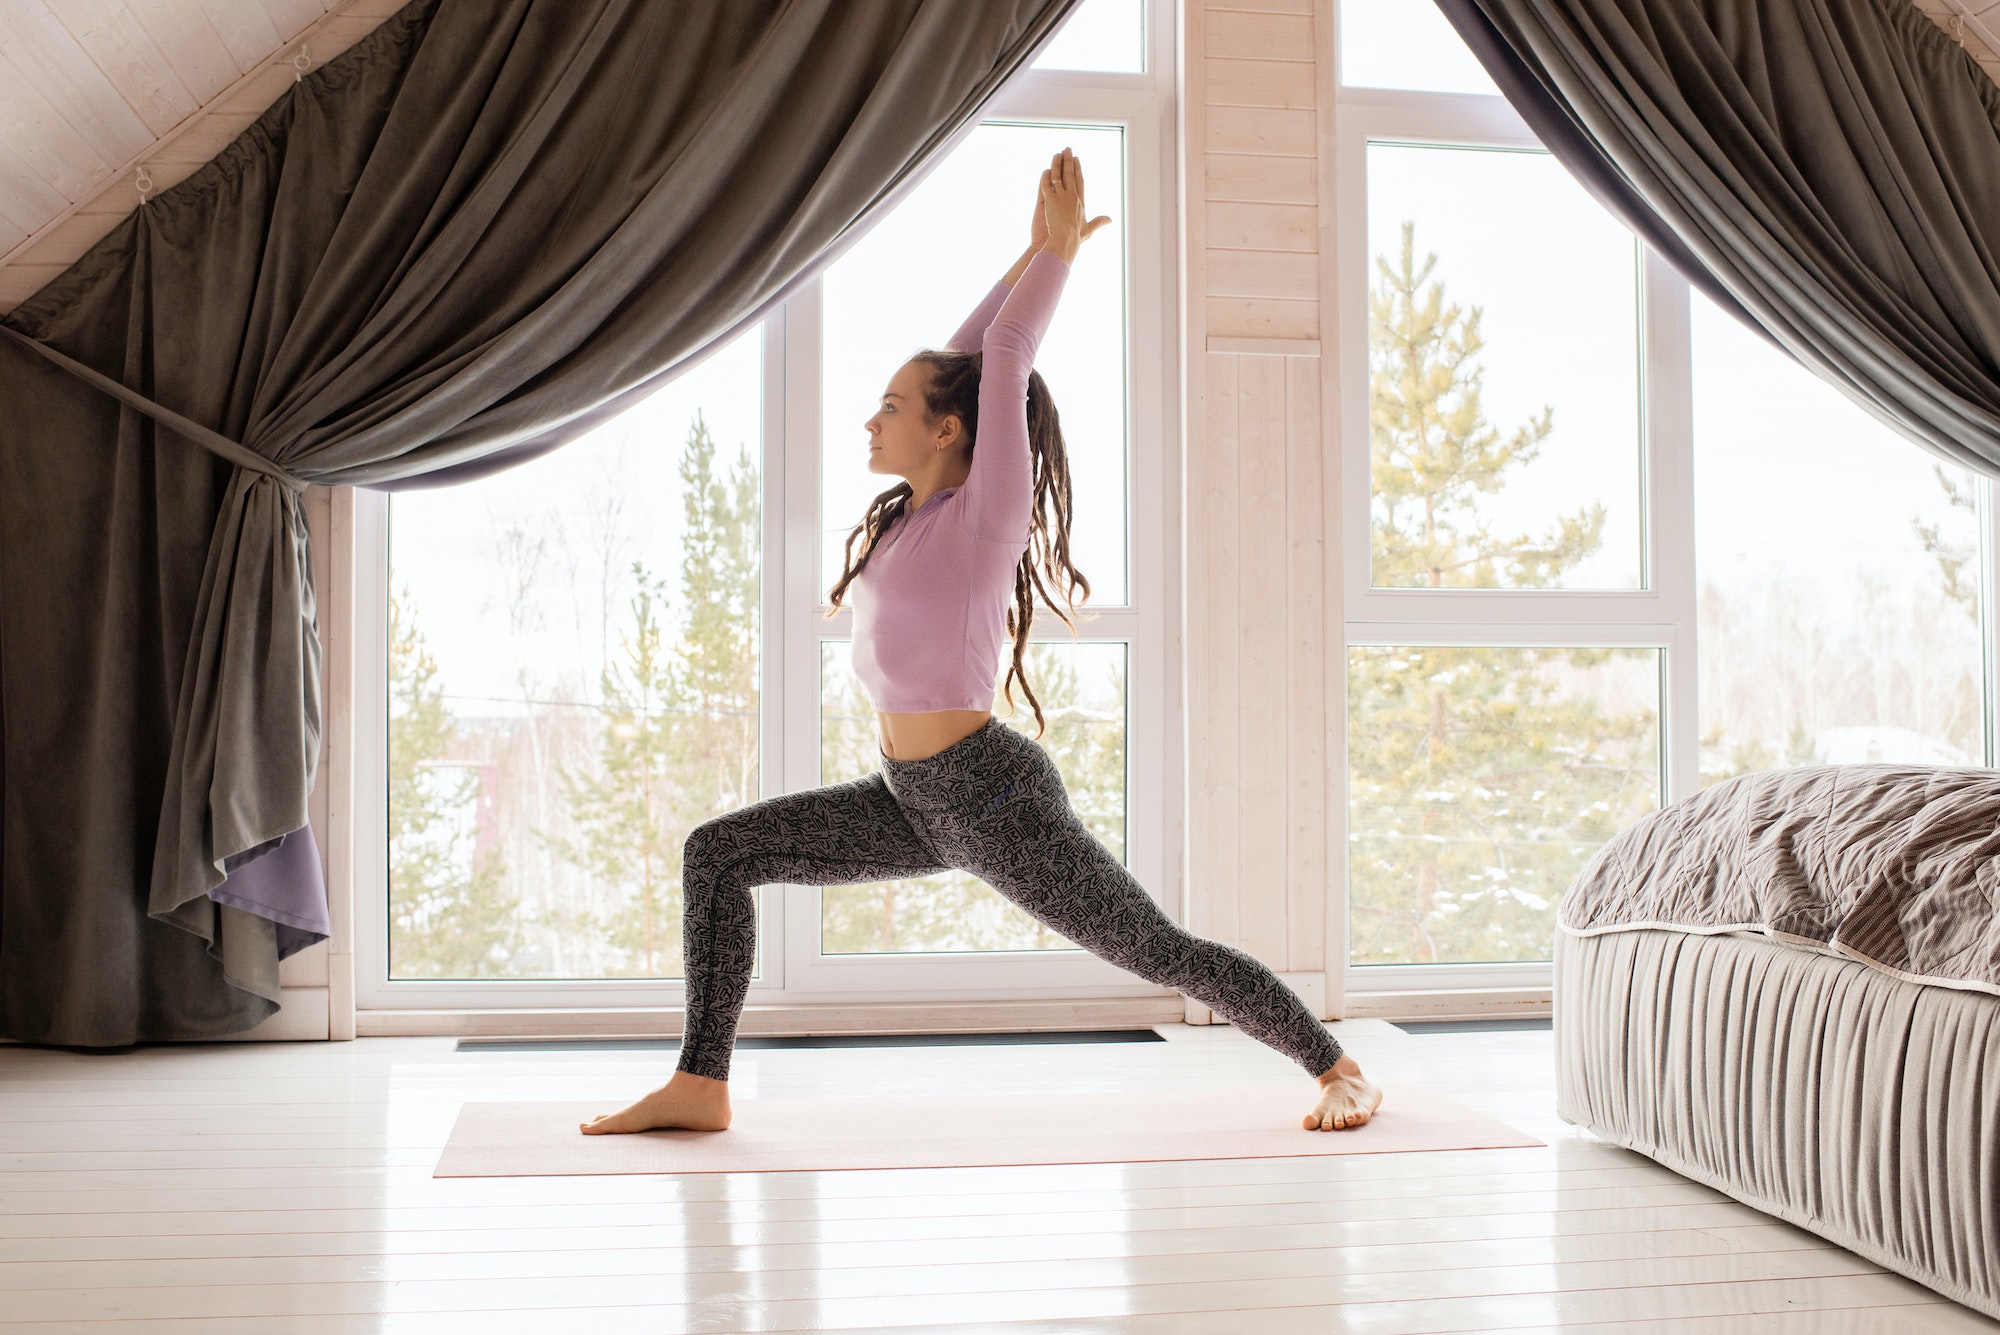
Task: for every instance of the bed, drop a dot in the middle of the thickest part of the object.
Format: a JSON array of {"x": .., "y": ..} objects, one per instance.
[{"x": 1788, "y": 988}]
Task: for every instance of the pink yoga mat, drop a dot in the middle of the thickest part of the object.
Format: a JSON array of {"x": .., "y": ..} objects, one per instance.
[{"x": 792, "y": 1135}]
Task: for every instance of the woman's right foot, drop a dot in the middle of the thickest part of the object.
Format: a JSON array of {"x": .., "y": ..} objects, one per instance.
[
  {"x": 1347, "y": 1098},
  {"x": 687, "y": 1101}
]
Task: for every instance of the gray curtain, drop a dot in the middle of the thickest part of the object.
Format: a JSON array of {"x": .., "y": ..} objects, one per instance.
[
  {"x": 1829, "y": 167},
  {"x": 486, "y": 228}
]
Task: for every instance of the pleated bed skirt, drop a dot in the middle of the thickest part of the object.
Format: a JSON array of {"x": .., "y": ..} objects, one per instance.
[{"x": 1837, "y": 1097}]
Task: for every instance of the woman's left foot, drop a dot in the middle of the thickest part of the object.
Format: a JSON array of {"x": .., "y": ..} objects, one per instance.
[
  {"x": 687, "y": 1101},
  {"x": 1346, "y": 1098}
]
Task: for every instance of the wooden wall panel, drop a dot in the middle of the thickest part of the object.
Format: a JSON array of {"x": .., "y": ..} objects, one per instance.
[
  {"x": 1256, "y": 613},
  {"x": 1258, "y": 35},
  {"x": 1260, "y": 178},
  {"x": 1264, "y": 731},
  {"x": 1259, "y": 83},
  {"x": 1262, "y": 273},
  {"x": 1308, "y": 885},
  {"x": 1217, "y": 885},
  {"x": 1262, "y": 317},
  {"x": 1286, "y": 131}
]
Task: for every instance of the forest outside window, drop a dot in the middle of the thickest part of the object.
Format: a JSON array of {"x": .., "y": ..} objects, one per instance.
[{"x": 1605, "y": 544}]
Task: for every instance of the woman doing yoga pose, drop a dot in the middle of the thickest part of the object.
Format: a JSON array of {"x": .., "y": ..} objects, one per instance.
[{"x": 949, "y": 566}]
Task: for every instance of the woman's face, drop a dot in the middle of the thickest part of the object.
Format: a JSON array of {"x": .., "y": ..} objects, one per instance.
[{"x": 900, "y": 440}]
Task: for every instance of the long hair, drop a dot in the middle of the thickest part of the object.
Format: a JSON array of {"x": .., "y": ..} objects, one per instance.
[{"x": 953, "y": 390}]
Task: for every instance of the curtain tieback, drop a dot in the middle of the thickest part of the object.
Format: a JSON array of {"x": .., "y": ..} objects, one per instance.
[{"x": 212, "y": 441}]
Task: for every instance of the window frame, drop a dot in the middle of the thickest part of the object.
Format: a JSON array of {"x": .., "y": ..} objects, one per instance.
[
  {"x": 790, "y": 970},
  {"x": 1659, "y": 615}
]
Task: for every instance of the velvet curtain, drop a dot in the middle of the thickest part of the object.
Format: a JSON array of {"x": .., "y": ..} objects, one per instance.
[
  {"x": 484, "y": 229},
  {"x": 1830, "y": 167}
]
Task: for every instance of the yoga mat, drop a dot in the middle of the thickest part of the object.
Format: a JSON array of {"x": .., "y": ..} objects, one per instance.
[{"x": 819, "y": 1134}]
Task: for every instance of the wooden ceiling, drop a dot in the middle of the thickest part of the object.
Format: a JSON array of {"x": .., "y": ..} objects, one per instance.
[{"x": 94, "y": 92}]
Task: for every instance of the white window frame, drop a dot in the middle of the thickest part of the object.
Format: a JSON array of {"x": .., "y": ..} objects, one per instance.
[
  {"x": 1660, "y": 615},
  {"x": 790, "y": 969}
]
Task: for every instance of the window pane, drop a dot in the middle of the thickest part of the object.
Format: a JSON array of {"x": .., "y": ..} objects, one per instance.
[
  {"x": 1839, "y": 573},
  {"x": 1406, "y": 44},
  {"x": 1503, "y": 362},
  {"x": 1105, "y": 35},
  {"x": 909, "y": 283},
  {"x": 1082, "y": 690},
  {"x": 1480, "y": 781},
  {"x": 573, "y": 686}
]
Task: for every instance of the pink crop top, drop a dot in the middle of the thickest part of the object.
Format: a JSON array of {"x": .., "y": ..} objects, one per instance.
[{"x": 930, "y": 608}]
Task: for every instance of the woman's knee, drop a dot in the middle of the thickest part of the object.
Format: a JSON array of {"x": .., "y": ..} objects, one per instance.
[
  {"x": 724, "y": 839},
  {"x": 702, "y": 843},
  {"x": 709, "y": 856}
]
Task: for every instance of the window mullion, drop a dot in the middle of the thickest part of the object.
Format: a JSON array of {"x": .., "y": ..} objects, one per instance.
[{"x": 1667, "y": 398}]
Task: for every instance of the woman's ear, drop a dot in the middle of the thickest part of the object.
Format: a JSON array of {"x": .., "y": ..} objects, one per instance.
[{"x": 950, "y": 431}]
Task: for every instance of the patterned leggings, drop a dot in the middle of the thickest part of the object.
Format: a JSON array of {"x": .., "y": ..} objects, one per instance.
[{"x": 992, "y": 804}]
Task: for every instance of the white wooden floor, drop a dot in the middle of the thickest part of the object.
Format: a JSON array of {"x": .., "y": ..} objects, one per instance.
[{"x": 287, "y": 1188}]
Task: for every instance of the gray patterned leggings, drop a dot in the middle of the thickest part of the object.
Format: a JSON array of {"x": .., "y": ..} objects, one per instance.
[{"x": 992, "y": 804}]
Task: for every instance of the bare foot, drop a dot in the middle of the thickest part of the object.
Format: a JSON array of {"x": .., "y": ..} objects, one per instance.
[
  {"x": 1346, "y": 1098},
  {"x": 688, "y": 1101}
]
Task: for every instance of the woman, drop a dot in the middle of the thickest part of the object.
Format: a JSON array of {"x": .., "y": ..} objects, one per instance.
[{"x": 943, "y": 555}]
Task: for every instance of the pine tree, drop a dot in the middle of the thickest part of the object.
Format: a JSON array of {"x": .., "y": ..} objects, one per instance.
[
  {"x": 1479, "y": 784},
  {"x": 449, "y": 914},
  {"x": 720, "y": 590},
  {"x": 625, "y": 839},
  {"x": 679, "y": 740}
]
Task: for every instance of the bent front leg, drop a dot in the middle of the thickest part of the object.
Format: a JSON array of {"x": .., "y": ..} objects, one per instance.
[{"x": 841, "y": 834}]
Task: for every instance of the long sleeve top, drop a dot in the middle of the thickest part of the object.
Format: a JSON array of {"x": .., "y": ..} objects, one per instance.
[{"x": 930, "y": 608}]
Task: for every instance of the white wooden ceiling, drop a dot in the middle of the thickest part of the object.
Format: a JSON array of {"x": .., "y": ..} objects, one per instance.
[{"x": 92, "y": 92}]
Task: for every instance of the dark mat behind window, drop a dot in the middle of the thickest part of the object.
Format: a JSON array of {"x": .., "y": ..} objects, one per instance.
[{"x": 811, "y": 1041}]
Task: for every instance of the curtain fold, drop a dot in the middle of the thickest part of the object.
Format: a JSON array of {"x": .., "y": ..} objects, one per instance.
[
  {"x": 483, "y": 230},
  {"x": 1832, "y": 167}
]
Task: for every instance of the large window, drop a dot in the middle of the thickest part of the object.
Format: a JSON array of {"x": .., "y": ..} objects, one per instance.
[
  {"x": 573, "y": 685},
  {"x": 1604, "y": 544},
  {"x": 586, "y": 656},
  {"x": 1839, "y": 568}
]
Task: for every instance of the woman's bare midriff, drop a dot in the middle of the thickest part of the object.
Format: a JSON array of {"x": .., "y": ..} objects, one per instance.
[{"x": 921, "y": 736}]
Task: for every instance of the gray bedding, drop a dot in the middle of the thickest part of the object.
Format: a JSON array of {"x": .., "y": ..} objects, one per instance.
[{"x": 1897, "y": 866}]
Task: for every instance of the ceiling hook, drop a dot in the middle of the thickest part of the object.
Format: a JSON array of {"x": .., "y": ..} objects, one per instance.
[
  {"x": 144, "y": 180},
  {"x": 302, "y": 63}
]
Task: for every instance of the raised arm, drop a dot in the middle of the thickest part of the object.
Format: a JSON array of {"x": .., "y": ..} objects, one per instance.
[
  {"x": 999, "y": 491},
  {"x": 973, "y": 331},
  {"x": 998, "y": 497}
]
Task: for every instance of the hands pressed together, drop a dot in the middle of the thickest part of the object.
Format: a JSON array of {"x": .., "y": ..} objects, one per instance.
[{"x": 1060, "y": 223}]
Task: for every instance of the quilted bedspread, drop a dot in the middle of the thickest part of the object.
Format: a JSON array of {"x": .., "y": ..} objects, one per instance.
[{"x": 1894, "y": 865}]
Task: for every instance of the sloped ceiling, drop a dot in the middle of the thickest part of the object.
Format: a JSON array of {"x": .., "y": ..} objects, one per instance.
[{"x": 93, "y": 93}]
